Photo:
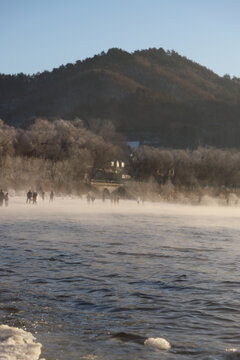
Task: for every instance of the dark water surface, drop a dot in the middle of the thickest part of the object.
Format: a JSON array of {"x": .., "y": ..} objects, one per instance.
[{"x": 76, "y": 276}]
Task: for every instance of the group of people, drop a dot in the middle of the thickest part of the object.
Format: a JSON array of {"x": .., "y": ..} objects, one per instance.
[
  {"x": 114, "y": 198},
  {"x": 90, "y": 198},
  {"x": 32, "y": 196},
  {"x": 3, "y": 198}
]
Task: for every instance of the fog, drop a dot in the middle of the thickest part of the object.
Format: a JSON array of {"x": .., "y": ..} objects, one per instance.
[{"x": 68, "y": 208}]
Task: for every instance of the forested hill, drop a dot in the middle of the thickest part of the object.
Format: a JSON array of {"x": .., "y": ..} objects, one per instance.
[{"x": 151, "y": 95}]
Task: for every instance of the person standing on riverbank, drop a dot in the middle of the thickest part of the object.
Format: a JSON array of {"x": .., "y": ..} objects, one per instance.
[
  {"x": 34, "y": 197},
  {"x": 51, "y": 196},
  {"x": 6, "y": 199},
  {"x": 1, "y": 197},
  {"x": 29, "y": 197}
]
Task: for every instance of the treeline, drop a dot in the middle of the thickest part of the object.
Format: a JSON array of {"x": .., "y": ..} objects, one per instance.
[
  {"x": 200, "y": 168},
  {"x": 65, "y": 155},
  {"x": 186, "y": 175}
]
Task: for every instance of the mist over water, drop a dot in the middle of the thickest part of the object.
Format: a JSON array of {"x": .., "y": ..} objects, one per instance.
[{"x": 96, "y": 281}]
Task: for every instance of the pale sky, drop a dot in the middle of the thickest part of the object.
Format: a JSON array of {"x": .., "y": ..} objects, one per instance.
[{"x": 38, "y": 35}]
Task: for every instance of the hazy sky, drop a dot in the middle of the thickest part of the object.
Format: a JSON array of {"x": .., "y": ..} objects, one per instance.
[{"x": 37, "y": 35}]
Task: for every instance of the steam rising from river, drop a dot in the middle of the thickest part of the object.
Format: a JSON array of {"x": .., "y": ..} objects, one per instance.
[{"x": 78, "y": 208}]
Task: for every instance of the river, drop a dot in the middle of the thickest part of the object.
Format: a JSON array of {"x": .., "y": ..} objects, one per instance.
[{"x": 93, "y": 282}]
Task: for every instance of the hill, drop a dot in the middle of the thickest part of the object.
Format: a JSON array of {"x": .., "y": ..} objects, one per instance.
[{"x": 150, "y": 95}]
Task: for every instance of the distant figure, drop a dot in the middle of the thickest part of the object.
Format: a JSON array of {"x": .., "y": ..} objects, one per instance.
[
  {"x": 103, "y": 196},
  {"x": 199, "y": 198},
  {"x": 51, "y": 196},
  {"x": 6, "y": 199},
  {"x": 88, "y": 198},
  {"x": 92, "y": 199},
  {"x": 1, "y": 197},
  {"x": 34, "y": 197},
  {"x": 227, "y": 196},
  {"x": 115, "y": 198},
  {"x": 29, "y": 197},
  {"x": 42, "y": 195}
]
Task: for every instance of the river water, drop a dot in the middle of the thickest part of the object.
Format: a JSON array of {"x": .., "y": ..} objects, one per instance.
[{"x": 93, "y": 282}]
